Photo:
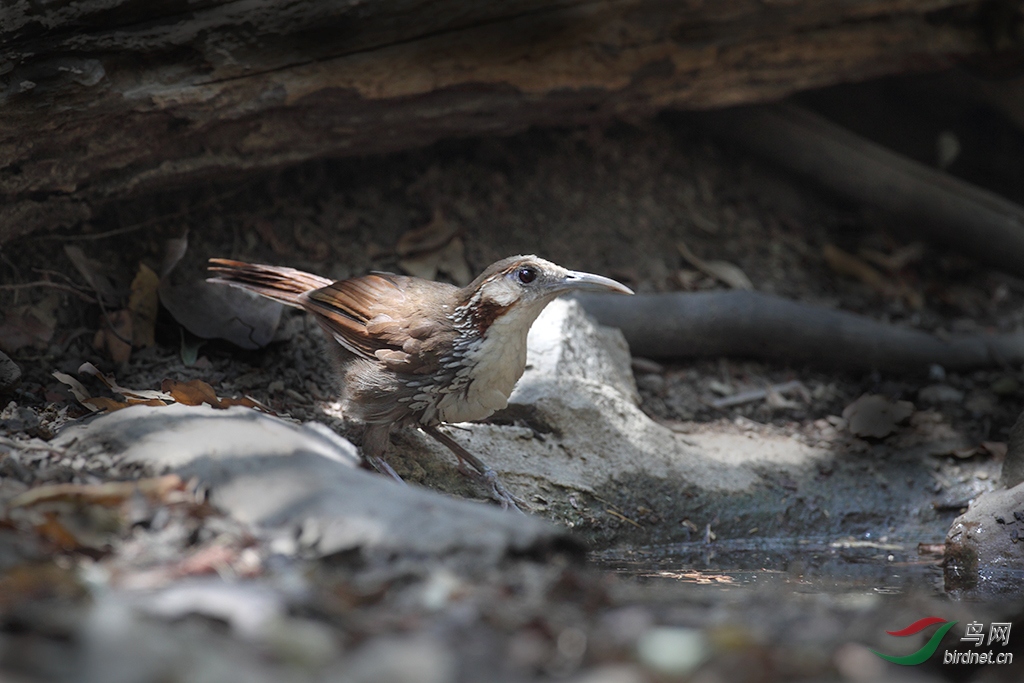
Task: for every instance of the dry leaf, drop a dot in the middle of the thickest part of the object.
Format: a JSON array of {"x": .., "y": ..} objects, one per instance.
[
  {"x": 876, "y": 416},
  {"x": 108, "y": 493},
  {"x": 144, "y": 303},
  {"x": 453, "y": 263},
  {"x": 55, "y": 532},
  {"x": 997, "y": 449},
  {"x": 131, "y": 394},
  {"x": 247, "y": 402},
  {"x": 451, "y": 260},
  {"x": 430, "y": 237},
  {"x": 79, "y": 391},
  {"x": 723, "y": 271},
  {"x": 174, "y": 251},
  {"x": 94, "y": 273},
  {"x": 22, "y": 328},
  {"x": 105, "y": 403},
  {"x": 195, "y": 392},
  {"x": 849, "y": 265},
  {"x": 898, "y": 259},
  {"x": 83, "y": 516},
  {"x": 29, "y": 325},
  {"x": 115, "y": 336},
  {"x": 97, "y": 403}
]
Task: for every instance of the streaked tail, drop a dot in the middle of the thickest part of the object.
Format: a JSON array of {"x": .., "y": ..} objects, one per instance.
[{"x": 274, "y": 282}]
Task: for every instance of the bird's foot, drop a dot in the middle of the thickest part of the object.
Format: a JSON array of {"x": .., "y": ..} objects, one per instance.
[
  {"x": 471, "y": 467},
  {"x": 384, "y": 468},
  {"x": 489, "y": 479}
]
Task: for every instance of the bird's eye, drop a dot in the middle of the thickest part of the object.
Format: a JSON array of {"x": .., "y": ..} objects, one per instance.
[{"x": 526, "y": 274}]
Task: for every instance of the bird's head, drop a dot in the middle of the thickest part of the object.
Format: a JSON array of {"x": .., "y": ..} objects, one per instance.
[{"x": 527, "y": 284}]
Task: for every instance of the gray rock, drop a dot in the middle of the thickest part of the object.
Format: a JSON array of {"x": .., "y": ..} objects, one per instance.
[
  {"x": 985, "y": 547},
  {"x": 302, "y": 481},
  {"x": 10, "y": 373},
  {"x": 573, "y": 432},
  {"x": 1013, "y": 465}
]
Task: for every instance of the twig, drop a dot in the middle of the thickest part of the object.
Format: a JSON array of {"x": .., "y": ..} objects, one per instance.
[
  {"x": 53, "y": 285},
  {"x": 756, "y": 394},
  {"x": 146, "y": 223},
  {"x": 624, "y": 518}
]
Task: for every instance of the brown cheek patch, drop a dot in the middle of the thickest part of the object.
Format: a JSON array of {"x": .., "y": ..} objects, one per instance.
[{"x": 486, "y": 312}]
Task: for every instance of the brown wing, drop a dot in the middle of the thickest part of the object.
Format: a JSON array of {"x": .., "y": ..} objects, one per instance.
[{"x": 394, "y": 319}]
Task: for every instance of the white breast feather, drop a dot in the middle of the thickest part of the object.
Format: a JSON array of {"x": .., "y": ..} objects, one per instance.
[{"x": 497, "y": 362}]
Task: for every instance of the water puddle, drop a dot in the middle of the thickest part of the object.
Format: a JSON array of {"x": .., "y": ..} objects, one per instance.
[{"x": 805, "y": 565}]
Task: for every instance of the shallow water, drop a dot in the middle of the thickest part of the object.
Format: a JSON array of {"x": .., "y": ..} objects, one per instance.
[{"x": 804, "y": 565}]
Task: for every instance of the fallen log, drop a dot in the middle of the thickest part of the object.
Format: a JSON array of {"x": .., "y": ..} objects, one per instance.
[{"x": 102, "y": 100}]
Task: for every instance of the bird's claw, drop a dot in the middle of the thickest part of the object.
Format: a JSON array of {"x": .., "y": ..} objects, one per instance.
[{"x": 501, "y": 494}]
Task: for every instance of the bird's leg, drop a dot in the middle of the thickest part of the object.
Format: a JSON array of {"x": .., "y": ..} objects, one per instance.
[
  {"x": 375, "y": 443},
  {"x": 481, "y": 473}
]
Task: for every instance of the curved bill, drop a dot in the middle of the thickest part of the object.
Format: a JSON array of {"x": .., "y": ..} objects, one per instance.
[{"x": 588, "y": 282}]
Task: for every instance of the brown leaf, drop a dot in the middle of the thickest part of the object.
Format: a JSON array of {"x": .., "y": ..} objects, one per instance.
[
  {"x": 143, "y": 303},
  {"x": 53, "y": 530},
  {"x": 108, "y": 493},
  {"x": 723, "y": 271},
  {"x": 195, "y": 392},
  {"x": 76, "y": 387},
  {"x": 453, "y": 263},
  {"x": 898, "y": 259},
  {"x": 105, "y": 403},
  {"x": 29, "y": 325},
  {"x": 997, "y": 449},
  {"x": 246, "y": 402},
  {"x": 133, "y": 395},
  {"x": 430, "y": 237},
  {"x": 450, "y": 260},
  {"x": 876, "y": 416},
  {"x": 115, "y": 336},
  {"x": 849, "y": 265},
  {"x": 31, "y": 582}
]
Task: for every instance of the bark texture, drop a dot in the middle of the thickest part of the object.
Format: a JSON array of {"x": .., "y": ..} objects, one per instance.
[{"x": 104, "y": 98}]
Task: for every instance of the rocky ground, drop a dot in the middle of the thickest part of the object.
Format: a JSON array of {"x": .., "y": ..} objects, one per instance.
[{"x": 680, "y": 528}]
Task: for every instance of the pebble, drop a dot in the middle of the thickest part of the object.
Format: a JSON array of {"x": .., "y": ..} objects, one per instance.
[
  {"x": 652, "y": 383},
  {"x": 10, "y": 373},
  {"x": 672, "y": 651}
]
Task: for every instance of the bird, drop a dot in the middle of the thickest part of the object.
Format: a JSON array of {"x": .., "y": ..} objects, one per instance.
[{"x": 411, "y": 351}]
